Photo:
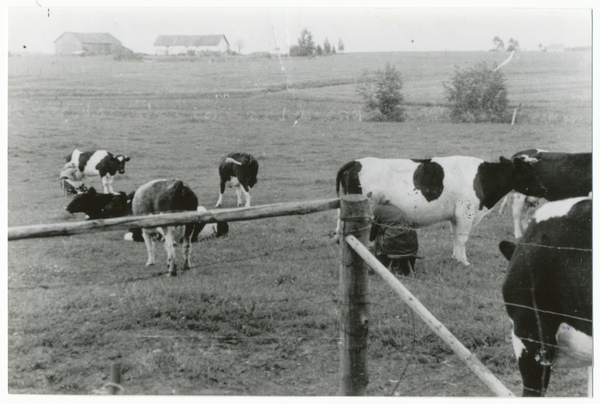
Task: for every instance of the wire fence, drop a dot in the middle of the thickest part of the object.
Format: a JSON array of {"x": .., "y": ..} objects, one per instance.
[{"x": 379, "y": 297}]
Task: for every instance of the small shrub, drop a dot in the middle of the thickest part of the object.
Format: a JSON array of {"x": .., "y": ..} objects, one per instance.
[
  {"x": 477, "y": 94},
  {"x": 381, "y": 93}
]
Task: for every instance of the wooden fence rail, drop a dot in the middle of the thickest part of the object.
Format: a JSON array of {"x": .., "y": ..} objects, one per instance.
[{"x": 218, "y": 215}]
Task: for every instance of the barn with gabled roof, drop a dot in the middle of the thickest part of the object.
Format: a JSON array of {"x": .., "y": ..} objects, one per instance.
[
  {"x": 75, "y": 43},
  {"x": 190, "y": 44}
]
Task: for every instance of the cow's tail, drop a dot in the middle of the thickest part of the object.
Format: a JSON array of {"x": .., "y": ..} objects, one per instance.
[
  {"x": 230, "y": 160},
  {"x": 348, "y": 174}
]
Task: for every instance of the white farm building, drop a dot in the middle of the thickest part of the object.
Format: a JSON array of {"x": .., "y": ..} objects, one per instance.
[{"x": 190, "y": 44}]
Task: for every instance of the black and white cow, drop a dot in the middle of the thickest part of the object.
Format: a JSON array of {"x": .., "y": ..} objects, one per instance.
[
  {"x": 91, "y": 203},
  {"x": 120, "y": 206},
  {"x": 93, "y": 163},
  {"x": 162, "y": 196},
  {"x": 459, "y": 189},
  {"x": 238, "y": 170},
  {"x": 548, "y": 292},
  {"x": 565, "y": 175}
]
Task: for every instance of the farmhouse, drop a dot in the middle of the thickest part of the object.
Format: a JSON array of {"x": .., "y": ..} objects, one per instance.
[
  {"x": 190, "y": 44},
  {"x": 76, "y": 43}
]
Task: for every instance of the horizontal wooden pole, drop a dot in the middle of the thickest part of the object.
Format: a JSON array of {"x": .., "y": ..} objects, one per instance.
[
  {"x": 438, "y": 328},
  {"x": 172, "y": 219}
]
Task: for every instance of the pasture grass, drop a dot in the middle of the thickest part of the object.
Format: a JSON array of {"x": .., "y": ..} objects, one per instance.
[{"x": 258, "y": 313}]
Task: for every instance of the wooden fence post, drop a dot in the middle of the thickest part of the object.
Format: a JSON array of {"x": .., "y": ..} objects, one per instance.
[
  {"x": 355, "y": 214},
  {"x": 115, "y": 379}
]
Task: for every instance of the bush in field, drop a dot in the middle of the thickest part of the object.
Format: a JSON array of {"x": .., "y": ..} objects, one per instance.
[
  {"x": 477, "y": 94},
  {"x": 381, "y": 92}
]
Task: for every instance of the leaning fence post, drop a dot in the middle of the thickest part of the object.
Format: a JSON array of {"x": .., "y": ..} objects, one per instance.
[{"x": 355, "y": 214}]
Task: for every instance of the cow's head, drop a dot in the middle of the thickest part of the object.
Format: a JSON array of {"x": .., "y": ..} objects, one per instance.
[
  {"x": 120, "y": 205},
  {"x": 118, "y": 162},
  {"x": 526, "y": 179}
]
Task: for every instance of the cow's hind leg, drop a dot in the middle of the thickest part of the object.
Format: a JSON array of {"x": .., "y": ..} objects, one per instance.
[
  {"x": 149, "y": 241},
  {"x": 222, "y": 190},
  {"x": 238, "y": 192},
  {"x": 170, "y": 247},
  {"x": 246, "y": 191},
  {"x": 460, "y": 234},
  {"x": 187, "y": 246}
]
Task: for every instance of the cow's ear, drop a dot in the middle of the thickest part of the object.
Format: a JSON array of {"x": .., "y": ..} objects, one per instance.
[
  {"x": 507, "y": 249},
  {"x": 92, "y": 191},
  {"x": 369, "y": 194},
  {"x": 126, "y": 158},
  {"x": 520, "y": 164},
  {"x": 504, "y": 159}
]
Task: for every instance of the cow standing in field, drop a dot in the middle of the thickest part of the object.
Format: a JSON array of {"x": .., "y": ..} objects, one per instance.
[
  {"x": 459, "y": 189},
  {"x": 163, "y": 196},
  {"x": 548, "y": 292},
  {"x": 238, "y": 170},
  {"x": 565, "y": 175},
  {"x": 93, "y": 163}
]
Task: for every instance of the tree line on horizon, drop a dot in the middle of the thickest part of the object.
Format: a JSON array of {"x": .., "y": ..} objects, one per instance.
[{"x": 306, "y": 46}]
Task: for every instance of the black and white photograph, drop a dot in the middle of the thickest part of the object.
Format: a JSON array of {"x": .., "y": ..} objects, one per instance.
[{"x": 294, "y": 199}]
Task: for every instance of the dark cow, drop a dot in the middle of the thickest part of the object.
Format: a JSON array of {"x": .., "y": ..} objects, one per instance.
[
  {"x": 99, "y": 162},
  {"x": 238, "y": 170},
  {"x": 548, "y": 292},
  {"x": 458, "y": 189},
  {"x": 91, "y": 203},
  {"x": 162, "y": 196},
  {"x": 120, "y": 205},
  {"x": 565, "y": 175}
]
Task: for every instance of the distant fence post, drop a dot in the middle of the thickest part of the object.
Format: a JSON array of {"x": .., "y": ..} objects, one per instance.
[
  {"x": 115, "y": 379},
  {"x": 355, "y": 214}
]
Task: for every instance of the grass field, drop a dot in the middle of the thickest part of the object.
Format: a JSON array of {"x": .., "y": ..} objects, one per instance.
[{"x": 258, "y": 314}]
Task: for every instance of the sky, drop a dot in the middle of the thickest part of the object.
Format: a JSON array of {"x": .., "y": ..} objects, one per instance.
[{"x": 33, "y": 26}]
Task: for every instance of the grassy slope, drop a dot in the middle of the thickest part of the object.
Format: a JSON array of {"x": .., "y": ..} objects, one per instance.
[{"x": 258, "y": 313}]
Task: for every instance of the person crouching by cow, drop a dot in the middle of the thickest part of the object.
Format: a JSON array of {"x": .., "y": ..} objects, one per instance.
[
  {"x": 70, "y": 182},
  {"x": 395, "y": 241}
]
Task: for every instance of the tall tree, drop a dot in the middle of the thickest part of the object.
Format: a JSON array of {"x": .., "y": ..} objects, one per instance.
[
  {"x": 340, "y": 45},
  {"x": 513, "y": 45},
  {"x": 239, "y": 44},
  {"x": 306, "y": 45},
  {"x": 327, "y": 46},
  {"x": 498, "y": 43}
]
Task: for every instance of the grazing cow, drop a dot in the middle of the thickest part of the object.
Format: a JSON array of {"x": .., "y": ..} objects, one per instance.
[
  {"x": 565, "y": 175},
  {"x": 238, "y": 170},
  {"x": 548, "y": 292},
  {"x": 91, "y": 203},
  {"x": 100, "y": 162},
  {"x": 162, "y": 196},
  {"x": 459, "y": 189},
  {"x": 120, "y": 205}
]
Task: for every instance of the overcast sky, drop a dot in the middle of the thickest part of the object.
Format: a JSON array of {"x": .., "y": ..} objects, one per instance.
[{"x": 35, "y": 27}]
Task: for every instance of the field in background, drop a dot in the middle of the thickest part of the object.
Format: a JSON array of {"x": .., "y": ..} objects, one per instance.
[
  {"x": 258, "y": 313},
  {"x": 551, "y": 87}
]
